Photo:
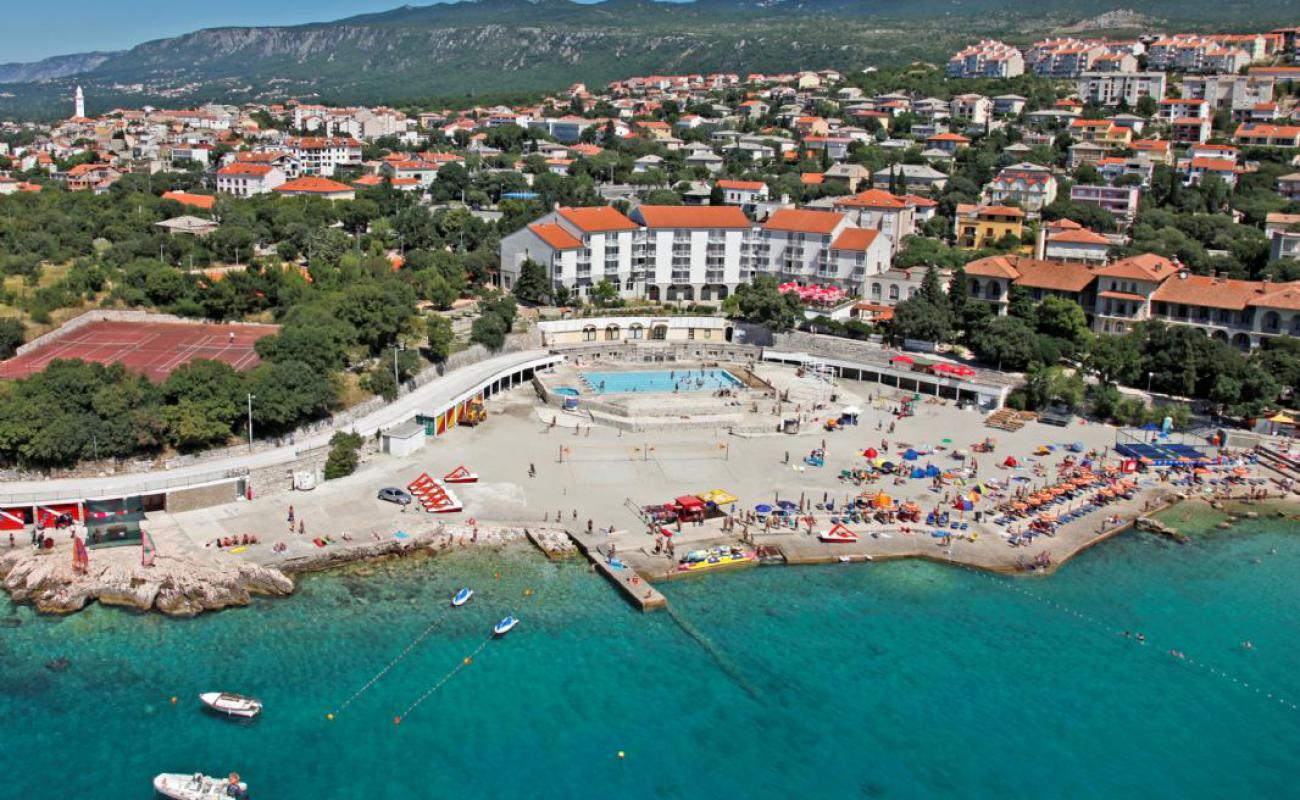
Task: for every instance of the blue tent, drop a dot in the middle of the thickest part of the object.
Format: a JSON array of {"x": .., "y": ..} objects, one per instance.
[
  {"x": 932, "y": 471},
  {"x": 911, "y": 455},
  {"x": 918, "y": 473}
]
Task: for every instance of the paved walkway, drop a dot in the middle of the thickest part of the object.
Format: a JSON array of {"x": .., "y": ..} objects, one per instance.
[{"x": 429, "y": 397}]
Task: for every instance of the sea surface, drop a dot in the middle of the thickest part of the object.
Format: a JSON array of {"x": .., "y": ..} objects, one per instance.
[{"x": 897, "y": 680}]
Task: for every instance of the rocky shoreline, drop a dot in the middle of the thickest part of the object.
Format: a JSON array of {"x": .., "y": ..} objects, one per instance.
[
  {"x": 175, "y": 585},
  {"x": 182, "y": 585}
]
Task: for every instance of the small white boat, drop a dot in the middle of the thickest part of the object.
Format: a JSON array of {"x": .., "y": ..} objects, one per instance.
[
  {"x": 504, "y": 626},
  {"x": 462, "y": 597},
  {"x": 232, "y": 705},
  {"x": 199, "y": 786}
]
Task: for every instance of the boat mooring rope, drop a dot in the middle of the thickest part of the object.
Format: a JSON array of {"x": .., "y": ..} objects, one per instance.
[
  {"x": 465, "y": 662},
  {"x": 1011, "y": 584},
  {"x": 379, "y": 675}
]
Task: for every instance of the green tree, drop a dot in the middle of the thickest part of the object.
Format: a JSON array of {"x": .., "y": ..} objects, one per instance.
[
  {"x": 760, "y": 301},
  {"x": 342, "y": 459},
  {"x": 533, "y": 286},
  {"x": 11, "y": 335},
  {"x": 440, "y": 337}
]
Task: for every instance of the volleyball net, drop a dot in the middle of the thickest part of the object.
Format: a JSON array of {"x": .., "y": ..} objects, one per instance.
[{"x": 645, "y": 451}]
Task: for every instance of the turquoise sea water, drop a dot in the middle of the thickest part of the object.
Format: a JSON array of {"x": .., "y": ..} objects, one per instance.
[
  {"x": 901, "y": 680},
  {"x": 660, "y": 380}
]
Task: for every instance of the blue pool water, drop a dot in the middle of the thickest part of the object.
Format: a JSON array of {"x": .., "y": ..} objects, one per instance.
[
  {"x": 567, "y": 391},
  {"x": 888, "y": 680},
  {"x": 661, "y": 380}
]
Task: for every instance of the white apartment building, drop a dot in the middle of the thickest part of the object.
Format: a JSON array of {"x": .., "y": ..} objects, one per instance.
[
  {"x": 1234, "y": 92},
  {"x": 694, "y": 254},
  {"x": 322, "y": 155},
  {"x": 1110, "y": 88},
  {"x": 243, "y": 179},
  {"x": 989, "y": 58},
  {"x": 690, "y": 254}
]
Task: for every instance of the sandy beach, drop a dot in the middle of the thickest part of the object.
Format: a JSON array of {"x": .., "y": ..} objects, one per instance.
[{"x": 591, "y": 482}]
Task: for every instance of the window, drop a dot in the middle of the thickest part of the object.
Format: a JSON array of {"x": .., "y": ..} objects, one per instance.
[
  {"x": 635, "y": 331},
  {"x": 659, "y": 332},
  {"x": 611, "y": 333},
  {"x": 589, "y": 333},
  {"x": 690, "y": 334},
  {"x": 893, "y": 292}
]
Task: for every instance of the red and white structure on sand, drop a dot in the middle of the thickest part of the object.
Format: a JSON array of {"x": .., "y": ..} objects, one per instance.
[{"x": 434, "y": 495}]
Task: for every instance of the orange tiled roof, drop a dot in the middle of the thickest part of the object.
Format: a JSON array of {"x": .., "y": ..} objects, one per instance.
[
  {"x": 854, "y": 239},
  {"x": 555, "y": 236},
  {"x": 1053, "y": 276},
  {"x": 749, "y": 186},
  {"x": 800, "y": 220},
  {"x": 597, "y": 219},
  {"x": 1203, "y": 290},
  {"x": 1145, "y": 267},
  {"x": 993, "y": 267},
  {"x": 205, "y": 201},
  {"x": 693, "y": 217},
  {"x": 313, "y": 185},
  {"x": 1081, "y": 236},
  {"x": 872, "y": 198},
  {"x": 243, "y": 168}
]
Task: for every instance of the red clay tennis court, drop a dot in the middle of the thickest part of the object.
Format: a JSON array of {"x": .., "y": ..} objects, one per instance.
[{"x": 154, "y": 349}]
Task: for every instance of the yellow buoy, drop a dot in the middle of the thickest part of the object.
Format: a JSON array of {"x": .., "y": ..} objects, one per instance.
[
  {"x": 173, "y": 700},
  {"x": 329, "y": 717},
  {"x": 620, "y": 753},
  {"x": 469, "y": 660}
]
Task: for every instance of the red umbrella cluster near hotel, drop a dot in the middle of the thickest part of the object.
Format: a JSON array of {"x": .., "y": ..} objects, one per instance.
[{"x": 814, "y": 294}]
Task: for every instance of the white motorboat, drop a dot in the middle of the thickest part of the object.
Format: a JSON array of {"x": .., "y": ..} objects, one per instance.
[
  {"x": 462, "y": 597},
  {"x": 232, "y": 705},
  {"x": 504, "y": 626},
  {"x": 199, "y": 786}
]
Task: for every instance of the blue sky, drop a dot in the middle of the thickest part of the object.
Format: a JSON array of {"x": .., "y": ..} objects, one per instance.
[{"x": 83, "y": 25}]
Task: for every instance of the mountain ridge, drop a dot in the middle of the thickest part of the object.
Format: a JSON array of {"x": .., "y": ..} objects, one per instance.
[{"x": 411, "y": 53}]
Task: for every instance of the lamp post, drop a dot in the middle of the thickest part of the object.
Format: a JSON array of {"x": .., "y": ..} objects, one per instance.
[
  {"x": 251, "y": 398},
  {"x": 397, "y": 382},
  {"x": 1149, "y": 376}
]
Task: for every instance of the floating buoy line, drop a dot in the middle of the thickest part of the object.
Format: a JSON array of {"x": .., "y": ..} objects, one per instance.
[
  {"x": 465, "y": 662},
  {"x": 1011, "y": 585},
  {"x": 379, "y": 675}
]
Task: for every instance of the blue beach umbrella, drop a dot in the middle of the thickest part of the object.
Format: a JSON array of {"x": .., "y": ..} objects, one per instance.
[{"x": 763, "y": 508}]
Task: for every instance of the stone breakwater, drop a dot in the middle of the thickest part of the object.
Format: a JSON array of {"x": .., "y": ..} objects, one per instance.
[{"x": 177, "y": 585}]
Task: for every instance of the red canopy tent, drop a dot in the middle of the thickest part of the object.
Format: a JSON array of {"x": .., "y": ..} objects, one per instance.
[
  {"x": 902, "y": 360},
  {"x": 689, "y": 506}
]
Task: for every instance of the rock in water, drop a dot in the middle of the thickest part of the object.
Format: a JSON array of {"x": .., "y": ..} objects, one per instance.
[{"x": 180, "y": 585}]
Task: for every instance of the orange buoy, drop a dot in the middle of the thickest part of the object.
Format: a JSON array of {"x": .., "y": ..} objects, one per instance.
[
  {"x": 397, "y": 720},
  {"x": 173, "y": 700},
  {"x": 468, "y": 660}
]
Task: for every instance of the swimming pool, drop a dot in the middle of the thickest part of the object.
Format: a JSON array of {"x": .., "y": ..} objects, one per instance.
[
  {"x": 660, "y": 380},
  {"x": 567, "y": 391}
]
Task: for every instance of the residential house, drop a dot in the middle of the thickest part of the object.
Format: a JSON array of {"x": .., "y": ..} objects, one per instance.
[
  {"x": 1113, "y": 88},
  {"x": 1122, "y": 201},
  {"x": 579, "y": 247},
  {"x": 322, "y": 155},
  {"x": 244, "y": 179},
  {"x": 1075, "y": 244},
  {"x": 948, "y": 142},
  {"x": 1288, "y": 186},
  {"x": 972, "y": 109},
  {"x": 976, "y": 227},
  {"x": 312, "y": 186},
  {"x": 1124, "y": 291},
  {"x": 909, "y": 178},
  {"x": 1264, "y": 135},
  {"x": 743, "y": 193},
  {"x": 881, "y": 211},
  {"x": 1027, "y": 185},
  {"x": 850, "y": 176}
]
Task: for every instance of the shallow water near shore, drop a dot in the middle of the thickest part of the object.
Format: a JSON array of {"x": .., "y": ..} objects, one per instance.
[{"x": 903, "y": 679}]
